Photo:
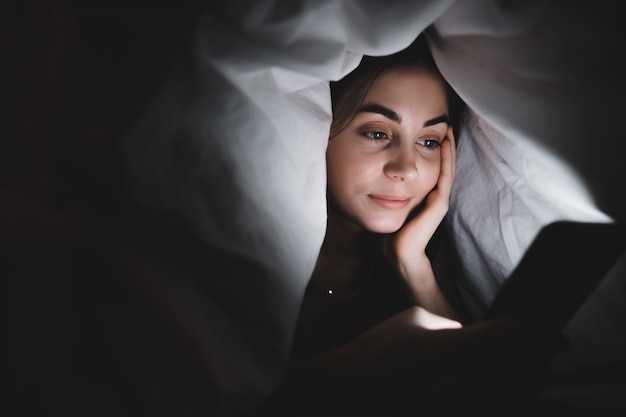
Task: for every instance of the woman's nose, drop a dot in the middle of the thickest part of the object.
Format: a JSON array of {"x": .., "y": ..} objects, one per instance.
[{"x": 401, "y": 166}]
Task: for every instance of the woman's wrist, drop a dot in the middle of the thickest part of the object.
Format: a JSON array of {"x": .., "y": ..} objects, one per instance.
[
  {"x": 424, "y": 288},
  {"x": 418, "y": 274}
]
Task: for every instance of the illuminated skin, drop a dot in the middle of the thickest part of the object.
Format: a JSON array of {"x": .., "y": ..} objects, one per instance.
[
  {"x": 385, "y": 163},
  {"x": 381, "y": 167}
]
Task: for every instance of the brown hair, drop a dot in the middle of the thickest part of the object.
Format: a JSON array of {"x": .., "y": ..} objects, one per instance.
[{"x": 348, "y": 94}]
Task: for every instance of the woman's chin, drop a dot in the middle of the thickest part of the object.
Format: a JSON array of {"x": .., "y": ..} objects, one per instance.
[{"x": 384, "y": 226}]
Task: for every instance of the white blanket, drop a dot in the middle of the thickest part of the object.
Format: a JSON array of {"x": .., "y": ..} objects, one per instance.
[{"x": 234, "y": 146}]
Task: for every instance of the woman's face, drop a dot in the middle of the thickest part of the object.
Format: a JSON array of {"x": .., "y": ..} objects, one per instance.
[{"x": 383, "y": 164}]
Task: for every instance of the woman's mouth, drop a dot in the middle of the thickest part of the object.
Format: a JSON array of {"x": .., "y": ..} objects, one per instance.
[{"x": 390, "y": 202}]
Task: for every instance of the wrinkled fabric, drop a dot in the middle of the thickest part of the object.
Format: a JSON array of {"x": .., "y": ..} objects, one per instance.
[{"x": 227, "y": 160}]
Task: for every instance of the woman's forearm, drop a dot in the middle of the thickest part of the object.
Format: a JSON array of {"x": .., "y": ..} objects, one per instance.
[{"x": 425, "y": 290}]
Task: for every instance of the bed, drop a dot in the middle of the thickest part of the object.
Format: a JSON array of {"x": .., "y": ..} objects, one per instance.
[{"x": 189, "y": 196}]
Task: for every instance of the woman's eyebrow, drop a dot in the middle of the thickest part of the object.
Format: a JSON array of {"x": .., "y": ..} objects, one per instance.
[
  {"x": 393, "y": 116},
  {"x": 377, "y": 108},
  {"x": 436, "y": 120}
]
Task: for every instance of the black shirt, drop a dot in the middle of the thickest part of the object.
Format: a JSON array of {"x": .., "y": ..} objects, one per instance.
[{"x": 328, "y": 321}]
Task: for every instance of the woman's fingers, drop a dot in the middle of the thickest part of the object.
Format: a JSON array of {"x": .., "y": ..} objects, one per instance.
[
  {"x": 416, "y": 234},
  {"x": 448, "y": 165},
  {"x": 427, "y": 320}
]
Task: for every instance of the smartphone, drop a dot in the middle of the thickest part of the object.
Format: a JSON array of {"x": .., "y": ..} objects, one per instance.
[{"x": 563, "y": 265}]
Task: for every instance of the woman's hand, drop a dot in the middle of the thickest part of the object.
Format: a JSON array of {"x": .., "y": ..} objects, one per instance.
[
  {"x": 406, "y": 249},
  {"x": 410, "y": 355},
  {"x": 403, "y": 341},
  {"x": 413, "y": 237}
]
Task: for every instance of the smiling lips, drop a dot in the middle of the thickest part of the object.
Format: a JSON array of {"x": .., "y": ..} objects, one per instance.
[{"x": 391, "y": 202}]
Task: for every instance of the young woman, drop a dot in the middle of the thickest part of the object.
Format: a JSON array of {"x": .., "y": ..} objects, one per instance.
[
  {"x": 380, "y": 319},
  {"x": 390, "y": 163}
]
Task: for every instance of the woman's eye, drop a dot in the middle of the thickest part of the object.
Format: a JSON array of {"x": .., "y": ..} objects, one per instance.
[
  {"x": 430, "y": 143},
  {"x": 374, "y": 135}
]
